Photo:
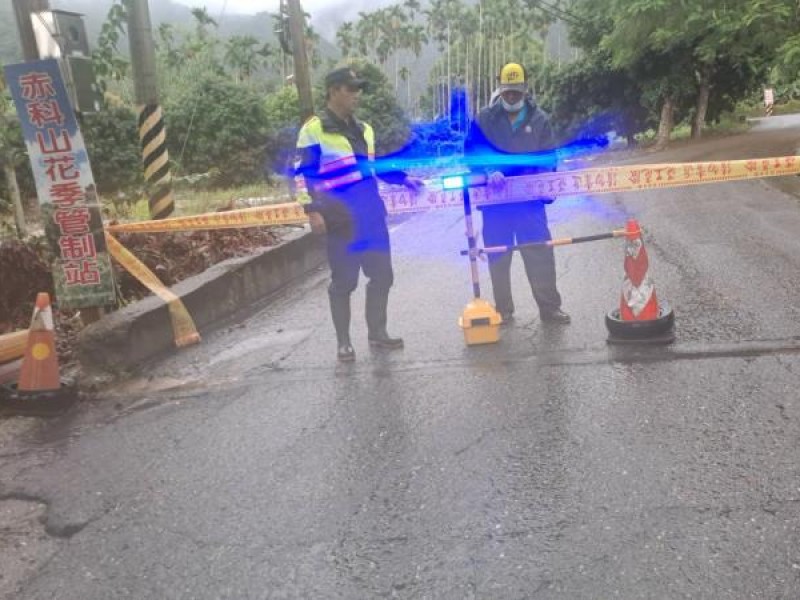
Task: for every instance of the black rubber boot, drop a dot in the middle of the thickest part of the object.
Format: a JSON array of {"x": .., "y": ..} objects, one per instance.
[
  {"x": 377, "y": 302},
  {"x": 340, "y": 311},
  {"x": 557, "y": 316}
]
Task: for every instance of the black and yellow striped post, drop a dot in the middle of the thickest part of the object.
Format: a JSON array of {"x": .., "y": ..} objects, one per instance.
[
  {"x": 152, "y": 132},
  {"x": 155, "y": 159}
]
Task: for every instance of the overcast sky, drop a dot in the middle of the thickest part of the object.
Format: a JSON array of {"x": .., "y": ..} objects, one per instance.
[
  {"x": 251, "y": 7},
  {"x": 326, "y": 15}
]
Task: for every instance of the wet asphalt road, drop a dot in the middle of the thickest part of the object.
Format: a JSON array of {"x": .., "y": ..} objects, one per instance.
[{"x": 547, "y": 466}]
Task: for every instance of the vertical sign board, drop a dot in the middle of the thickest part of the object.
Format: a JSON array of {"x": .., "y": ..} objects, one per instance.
[{"x": 64, "y": 184}]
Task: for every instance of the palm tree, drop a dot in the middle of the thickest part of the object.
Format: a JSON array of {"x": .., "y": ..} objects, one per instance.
[
  {"x": 368, "y": 33},
  {"x": 241, "y": 53},
  {"x": 416, "y": 38},
  {"x": 383, "y": 50},
  {"x": 405, "y": 75},
  {"x": 437, "y": 28},
  {"x": 468, "y": 27},
  {"x": 396, "y": 19},
  {"x": 267, "y": 55},
  {"x": 202, "y": 20},
  {"x": 345, "y": 38},
  {"x": 412, "y": 6},
  {"x": 361, "y": 36}
]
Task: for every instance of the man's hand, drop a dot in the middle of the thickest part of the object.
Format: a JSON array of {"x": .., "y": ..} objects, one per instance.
[
  {"x": 414, "y": 184},
  {"x": 317, "y": 223},
  {"x": 496, "y": 180}
]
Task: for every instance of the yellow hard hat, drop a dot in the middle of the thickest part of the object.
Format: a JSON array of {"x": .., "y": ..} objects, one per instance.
[{"x": 512, "y": 77}]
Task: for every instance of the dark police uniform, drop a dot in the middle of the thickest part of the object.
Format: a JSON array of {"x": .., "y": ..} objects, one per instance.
[
  {"x": 493, "y": 134},
  {"x": 334, "y": 176}
]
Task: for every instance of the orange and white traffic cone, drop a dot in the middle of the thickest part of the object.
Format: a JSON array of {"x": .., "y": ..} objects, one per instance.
[
  {"x": 40, "y": 364},
  {"x": 640, "y": 318},
  {"x": 638, "y": 301}
]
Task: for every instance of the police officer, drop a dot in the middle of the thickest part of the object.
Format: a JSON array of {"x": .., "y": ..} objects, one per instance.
[
  {"x": 336, "y": 182},
  {"x": 516, "y": 125}
]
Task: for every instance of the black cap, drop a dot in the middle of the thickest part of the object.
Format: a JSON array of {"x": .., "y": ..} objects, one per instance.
[{"x": 344, "y": 76}]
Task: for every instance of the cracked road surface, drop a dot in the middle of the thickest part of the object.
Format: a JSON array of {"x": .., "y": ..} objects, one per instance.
[{"x": 547, "y": 466}]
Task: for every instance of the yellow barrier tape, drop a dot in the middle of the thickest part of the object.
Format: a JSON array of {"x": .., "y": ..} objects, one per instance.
[
  {"x": 600, "y": 180},
  {"x": 276, "y": 214},
  {"x": 632, "y": 178},
  {"x": 182, "y": 324}
]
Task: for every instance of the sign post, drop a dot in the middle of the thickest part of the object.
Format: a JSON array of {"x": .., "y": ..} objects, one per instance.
[
  {"x": 769, "y": 101},
  {"x": 65, "y": 186}
]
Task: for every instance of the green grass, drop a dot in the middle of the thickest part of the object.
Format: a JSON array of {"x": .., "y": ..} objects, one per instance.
[
  {"x": 757, "y": 110},
  {"x": 190, "y": 201},
  {"x": 193, "y": 202},
  {"x": 729, "y": 124},
  {"x": 788, "y": 108},
  {"x": 187, "y": 202}
]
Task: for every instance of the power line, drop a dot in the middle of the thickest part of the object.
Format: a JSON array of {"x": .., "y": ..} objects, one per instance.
[
  {"x": 563, "y": 12},
  {"x": 197, "y": 99},
  {"x": 559, "y": 13}
]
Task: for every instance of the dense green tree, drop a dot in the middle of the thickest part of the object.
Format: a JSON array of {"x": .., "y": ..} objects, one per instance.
[
  {"x": 112, "y": 142},
  {"x": 12, "y": 156},
  {"x": 282, "y": 108},
  {"x": 220, "y": 127},
  {"x": 681, "y": 48},
  {"x": 589, "y": 98},
  {"x": 380, "y": 109},
  {"x": 345, "y": 38},
  {"x": 246, "y": 55}
]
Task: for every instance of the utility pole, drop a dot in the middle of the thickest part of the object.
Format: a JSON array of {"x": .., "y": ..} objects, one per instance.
[
  {"x": 143, "y": 53},
  {"x": 23, "y": 12},
  {"x": 152, "y": 132},
  {"x": 302, "y": 76}
]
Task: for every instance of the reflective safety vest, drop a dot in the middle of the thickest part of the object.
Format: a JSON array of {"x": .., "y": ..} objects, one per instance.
[{"x": 326, "y": 160}]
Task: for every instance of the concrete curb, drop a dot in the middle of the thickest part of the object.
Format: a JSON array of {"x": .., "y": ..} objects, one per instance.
[{"x": 127, "y": 338}]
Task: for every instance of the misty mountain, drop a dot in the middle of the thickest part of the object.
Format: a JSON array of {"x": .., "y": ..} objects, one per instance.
[
  {"x": 325, "y": 20},
  {"x": 261, "y": 25}
]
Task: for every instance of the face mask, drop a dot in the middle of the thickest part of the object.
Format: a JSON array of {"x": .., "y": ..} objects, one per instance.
[{"x": 512, "y": 108}]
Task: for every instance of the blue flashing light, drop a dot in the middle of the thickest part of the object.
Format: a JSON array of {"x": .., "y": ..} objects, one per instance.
[{"x": 454, "y": 182}]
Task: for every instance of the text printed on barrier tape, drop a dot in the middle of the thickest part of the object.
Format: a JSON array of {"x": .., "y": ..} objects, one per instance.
[
  {"x": 600, "y": 180},
  {"x": 632, "y": 178}
]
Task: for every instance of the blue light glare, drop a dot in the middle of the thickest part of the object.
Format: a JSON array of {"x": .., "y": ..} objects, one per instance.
[
  {"x": 493, "y": 160},
  {"x": 435, "y": 153},
  {"x": 453, "y": 182}
]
